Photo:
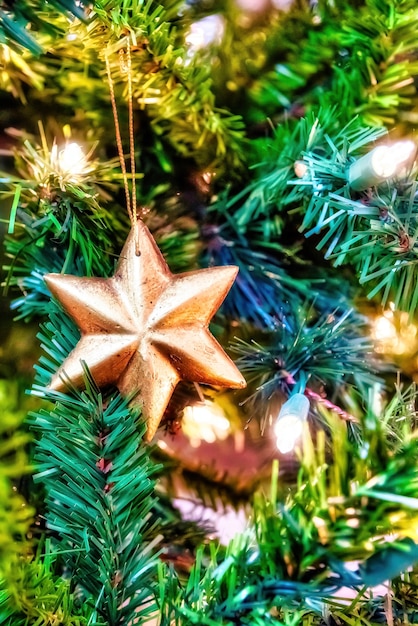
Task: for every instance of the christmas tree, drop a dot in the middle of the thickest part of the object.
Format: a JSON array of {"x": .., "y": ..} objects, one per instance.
[{"x": 210, "y": 258}]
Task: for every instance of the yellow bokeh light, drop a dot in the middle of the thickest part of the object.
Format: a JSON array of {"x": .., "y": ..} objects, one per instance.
[
  {"x": 395, "y": 334},
  {"x": 205, "y": 421}
]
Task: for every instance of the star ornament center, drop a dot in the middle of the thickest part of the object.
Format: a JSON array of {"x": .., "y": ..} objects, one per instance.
[{"x": 145, "y": 329}]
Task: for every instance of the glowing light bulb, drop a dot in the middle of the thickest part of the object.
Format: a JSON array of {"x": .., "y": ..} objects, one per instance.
[
  {"x": 72, "y": 159},
  {"x": 380, "y": 164},
  {"x": 289, "y": 425}
]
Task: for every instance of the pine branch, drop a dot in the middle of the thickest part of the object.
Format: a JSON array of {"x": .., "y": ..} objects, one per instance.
[
  {"x": 99, "y": 494},
  {"x": 327, "y": 354},
  {"x": 19, "y": 71},
  {"x": 98, "y": 479},
  {"x": 15, "y": 514},
  {"x": 175, "y": 92},
  {"x": 275, "y": 67},
  {"x": 58, "y": 222},
  {"x": 327, "y": 53},
  {"x": 41, "y": 597},
  {"x": 293, "y": 560},
  {"x": 376, "y": 232},
  {"x": 274, "y": 279},
  {"x": 17, "y": 16},
  {"x": 30, "y": 590},
  {"x": 275, "y": 167},
  {"x": 263, "y": 286},
  {"x": 315, "y": 135},
  {"x": 379, "y": 69}
]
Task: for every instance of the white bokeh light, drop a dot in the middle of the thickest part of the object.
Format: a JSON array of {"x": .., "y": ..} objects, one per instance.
[{"x": 205, "y": 32}]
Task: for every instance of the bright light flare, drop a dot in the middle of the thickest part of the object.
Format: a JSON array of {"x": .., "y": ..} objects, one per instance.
[
  {"x": 387, "y": 159},
  {"x": 288, "y": 431},
  {"x": 382, "y": 163},
  {"x": 72, "y": 160},
  {"x": 290, "y": 422}
]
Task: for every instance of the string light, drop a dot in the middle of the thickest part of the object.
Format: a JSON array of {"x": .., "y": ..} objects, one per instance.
[
  {"x": 289, "y": 425},
  {"x": 205, "y": 421},
  {"x": 380, "y": 164},
  {"x": 58, "y": 165}
]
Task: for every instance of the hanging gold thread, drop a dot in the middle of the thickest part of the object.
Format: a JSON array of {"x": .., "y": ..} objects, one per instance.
[
  {"x": 118, "y": 137},
  {"x": 131, "y": 130},
  {"x": 130, "y": 205}
]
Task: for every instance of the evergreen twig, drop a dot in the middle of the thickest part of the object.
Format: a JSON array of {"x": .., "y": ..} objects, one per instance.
[{"x": 99, "y": 495}]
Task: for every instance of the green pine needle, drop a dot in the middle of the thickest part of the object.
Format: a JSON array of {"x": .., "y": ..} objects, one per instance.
[
  {"x": 99, "y": 493},
  {"x": 332, "y": 351},
  {"x": 292, "y": 562},
  {"x": 377, "y": 234}
]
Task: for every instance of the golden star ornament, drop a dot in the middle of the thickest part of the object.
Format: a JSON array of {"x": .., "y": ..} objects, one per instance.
[{"x": 145, "y": 329}]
